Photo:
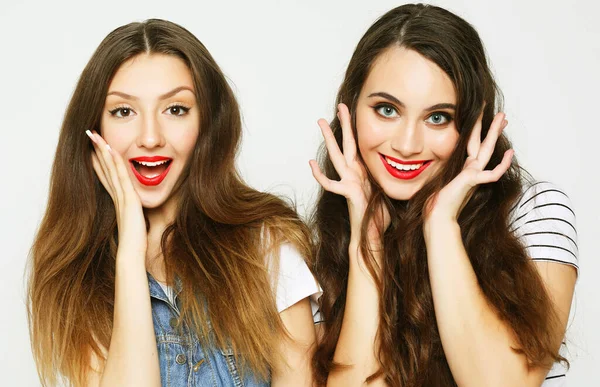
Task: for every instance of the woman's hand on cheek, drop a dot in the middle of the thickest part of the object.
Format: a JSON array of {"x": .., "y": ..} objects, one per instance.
[
  {"x": 112, "y": 173},
  {"x": 449, "y": 201},
  {"x": 353, "y": 184}
]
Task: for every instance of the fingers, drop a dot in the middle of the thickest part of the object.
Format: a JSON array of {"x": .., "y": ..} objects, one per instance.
[
  {"x": 100, "y": 166},
  {"x": 105, "y": 157},
  {"x": 101, "y": 175},
  {"x": 496, "y": 173},
  {"x": 488, "y": 145},
  {"x": 475, "y": 138},
  {"x": 122, "y": 172},
  {"x": 348, "y": 136},
  {"x": 327, "y": 184},
  {"x": 335, "y": 154}
]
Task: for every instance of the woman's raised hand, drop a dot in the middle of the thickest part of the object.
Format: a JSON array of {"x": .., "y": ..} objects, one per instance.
[
  {"x": 453, "y": 197},
  {"x": 112, "y": 173},
  {"x": 353, "y": 184}
]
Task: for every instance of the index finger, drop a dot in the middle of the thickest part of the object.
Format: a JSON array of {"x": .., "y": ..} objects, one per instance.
[
  {"x": 475, "y": 138},
  {"x": 348, "y": 141},
  {"x": 487, "y": 146},
  {"x": 335, "y": 154}
]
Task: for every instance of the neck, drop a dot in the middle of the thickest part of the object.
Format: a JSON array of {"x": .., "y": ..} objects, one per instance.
[{"x": 158, "y": 218}]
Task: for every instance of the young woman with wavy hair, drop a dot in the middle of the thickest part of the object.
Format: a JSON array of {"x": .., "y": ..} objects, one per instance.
[
  {"x": 155, "y": 263},
  {"x": 441, "y": 263}
]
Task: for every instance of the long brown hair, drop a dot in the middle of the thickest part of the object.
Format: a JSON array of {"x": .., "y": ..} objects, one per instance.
[
  {"x": 214, "y": 245},
  {"x": 410, "y": 350}
]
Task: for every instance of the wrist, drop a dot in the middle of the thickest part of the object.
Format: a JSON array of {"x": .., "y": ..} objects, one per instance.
[
  {"x": 374, "y": 242},
  {"x": 356, "y": 256},
  {"x": 439, "y": 223},
  {"x": 133, "y": 255}
]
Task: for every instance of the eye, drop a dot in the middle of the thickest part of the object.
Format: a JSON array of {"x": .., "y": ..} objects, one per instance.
[
  {"x": 121, "y": 112},
  {"x": 439, "y": 118},
  {"x": 386, "y": 111},
  {"x": 177, "y": 110}
]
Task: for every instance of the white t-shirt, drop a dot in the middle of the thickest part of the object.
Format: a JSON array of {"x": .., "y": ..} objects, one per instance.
[
  {"x": 544, "y": 222},
  {"x": 294, "y": 281}
]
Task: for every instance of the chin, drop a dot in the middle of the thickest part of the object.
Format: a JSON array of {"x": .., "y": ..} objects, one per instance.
[
  {"x": 152, "y": 203},
  {"x": 151, "y": 200},
  {"x": 400, "y": 193}
]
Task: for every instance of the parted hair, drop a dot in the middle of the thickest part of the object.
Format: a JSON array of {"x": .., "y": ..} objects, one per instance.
[
  {"x": 216, "y": 245},
  {"x": 409, "y": 346}
]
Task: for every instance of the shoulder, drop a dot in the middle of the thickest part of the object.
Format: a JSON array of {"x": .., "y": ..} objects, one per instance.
[
  {"x": 543, "y": 202},
  {"x": 287, "y": 256},
  {"x": 544, "y": 220},
  {"x": 541, "y": 193},
  {"x": 292, "y": 278}
]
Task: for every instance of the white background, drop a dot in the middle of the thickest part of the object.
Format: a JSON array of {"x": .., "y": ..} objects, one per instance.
[{"x": 286, "y": 61}]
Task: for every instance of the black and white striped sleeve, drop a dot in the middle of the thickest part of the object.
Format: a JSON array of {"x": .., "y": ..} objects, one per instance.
[{"x": 544, "y": 221}]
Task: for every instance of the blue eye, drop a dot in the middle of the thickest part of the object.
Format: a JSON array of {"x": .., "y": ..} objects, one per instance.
[
  {"x": 386, "y": 111},
  {"x": 178, "y": 110},
  {"x": 121, "y": 112},
  {"x": 439, "y": 118}
]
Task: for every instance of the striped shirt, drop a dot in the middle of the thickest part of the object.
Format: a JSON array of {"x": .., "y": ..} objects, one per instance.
[{"x": 544, "y": 221}]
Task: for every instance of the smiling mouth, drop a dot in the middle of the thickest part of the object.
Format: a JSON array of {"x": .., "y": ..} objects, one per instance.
[
  {"x": 404, "y": 170},
  {"x": 150, "y": 170}
]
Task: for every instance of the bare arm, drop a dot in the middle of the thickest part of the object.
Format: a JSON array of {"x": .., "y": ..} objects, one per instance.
[
  {"x": 357, "y": 347},
  {"x": 294, "y": 368},
  {"x": 357, "y": 342},
  {"x": 132, "y": 357},
  {"x": 477, "y": 343}
]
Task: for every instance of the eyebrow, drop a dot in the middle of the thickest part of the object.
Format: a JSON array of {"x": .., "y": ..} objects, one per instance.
[
  {"x": 162, "y": 97},
  {"x": 399, "y": 103}
]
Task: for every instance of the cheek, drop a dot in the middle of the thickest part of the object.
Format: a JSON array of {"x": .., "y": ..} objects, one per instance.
[
  {"x": 442, "y": 143},
  {"x": 183, "y": 140},
  {"x": 370, "y": 131},
  {"x": 116, "y": 136}
]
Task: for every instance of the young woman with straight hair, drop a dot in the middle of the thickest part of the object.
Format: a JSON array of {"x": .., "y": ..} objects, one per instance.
[{"x": 155, "y": 264}]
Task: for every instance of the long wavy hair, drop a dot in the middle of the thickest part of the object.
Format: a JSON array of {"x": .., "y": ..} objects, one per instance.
[
  {"x": 410, "y": 350},
  {"x": 214, "y": 246}
]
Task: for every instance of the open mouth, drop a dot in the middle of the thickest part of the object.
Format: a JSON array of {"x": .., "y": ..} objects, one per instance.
[
  {"x": 404, "y": 170},
  {"x": 150, "y": 170}
]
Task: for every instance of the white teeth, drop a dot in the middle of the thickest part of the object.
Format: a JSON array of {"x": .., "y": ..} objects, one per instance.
[
  {"x": 403, "y": 167},
  {"x": 152, "y": 164}
]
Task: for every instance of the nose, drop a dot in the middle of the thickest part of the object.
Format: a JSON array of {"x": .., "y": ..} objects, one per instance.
[
  {"x": 408, "y": 139},
  {"x": 150, "y": 135}
]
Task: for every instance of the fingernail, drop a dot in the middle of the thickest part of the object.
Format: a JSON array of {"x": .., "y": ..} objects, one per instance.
[
  {"x": 108, "y": 147},
  {"x": 90, "y": 135}
]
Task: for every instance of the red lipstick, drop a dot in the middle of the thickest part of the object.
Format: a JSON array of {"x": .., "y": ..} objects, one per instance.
[
  {"x": 404, "y": 175},
  {"x": 154, "y": 180}
]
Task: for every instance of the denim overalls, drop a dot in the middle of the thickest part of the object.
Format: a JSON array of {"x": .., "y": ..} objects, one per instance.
[{"x": 184, "y": 361}]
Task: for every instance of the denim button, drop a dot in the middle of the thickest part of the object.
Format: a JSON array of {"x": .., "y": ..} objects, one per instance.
[
  {"x": 180, "y": 359},
  {"x": 173, "y": 322}
]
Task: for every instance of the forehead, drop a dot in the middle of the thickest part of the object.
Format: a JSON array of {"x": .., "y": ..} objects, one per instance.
[
  {"x": 151, "y": 74},
  {"x": 410, "y": 77}
]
